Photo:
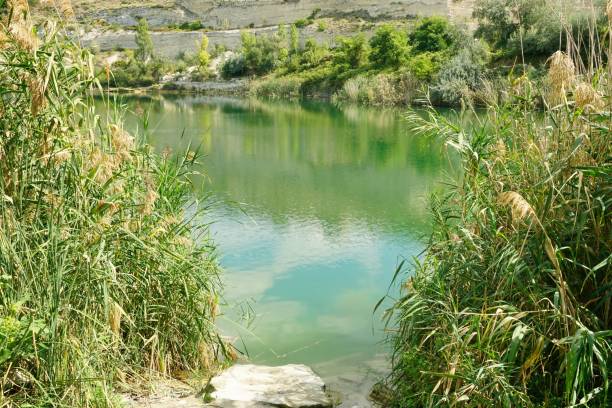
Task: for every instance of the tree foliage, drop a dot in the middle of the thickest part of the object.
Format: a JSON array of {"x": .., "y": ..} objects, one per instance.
[
  {"x": 432, "y": 34},
  {"x": 144, "y": 43},
  {"x": 203, "y": 55},
  {"x": 389, "y": 47},
  {"x": 353, "y": 52}
]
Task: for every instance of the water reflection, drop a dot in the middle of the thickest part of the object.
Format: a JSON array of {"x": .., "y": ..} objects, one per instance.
[{"x": 329, "y": 199}]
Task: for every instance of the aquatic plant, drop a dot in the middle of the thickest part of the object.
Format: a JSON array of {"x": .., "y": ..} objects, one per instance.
[
  {"x": 105, "y": 277},
  {"x": 511, "y": 304}
]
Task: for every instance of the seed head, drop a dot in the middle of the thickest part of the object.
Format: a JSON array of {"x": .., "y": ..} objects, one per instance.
[
  {"x": 37, "y": 94},
  {"x": 24, "y": 37},
  {"x": 20, "y": 25},
  {"x": 122, "y": 141},
  {"x": 521, "y": 209},
  {"x": 114, "y": 317},
  {"x": 561, "y": 69},
  {"x": 149, "y": 202},
  {"x": 205, "y": 357},
  {"x": 587, "y": 97},
  {"x": 104, "y": 165}
]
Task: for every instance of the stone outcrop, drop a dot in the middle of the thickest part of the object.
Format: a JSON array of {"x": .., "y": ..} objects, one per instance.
[
  {"x": 252, "y": 386},
  {"x": 226, "y": 18},
  {"x": 226, "y": 14},
  {"x": 242, "y": 386}
]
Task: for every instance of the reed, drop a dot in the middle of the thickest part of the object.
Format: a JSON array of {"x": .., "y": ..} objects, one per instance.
[
  {"x": 106, "y": 278},
  {"x": 511, "y": 304}
]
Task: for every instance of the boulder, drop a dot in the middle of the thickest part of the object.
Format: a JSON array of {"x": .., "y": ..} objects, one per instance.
[{"x": 254, "y": 386}]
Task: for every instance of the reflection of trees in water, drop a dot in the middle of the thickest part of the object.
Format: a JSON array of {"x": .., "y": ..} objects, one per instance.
[{"x": 308, "y": 159}]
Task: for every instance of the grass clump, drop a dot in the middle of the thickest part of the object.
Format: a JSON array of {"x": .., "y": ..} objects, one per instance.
[
  {"x": 104, "y": 276},
  {"x": 511, "y": 304}
]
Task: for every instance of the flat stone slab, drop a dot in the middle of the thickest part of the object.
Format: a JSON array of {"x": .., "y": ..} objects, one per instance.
[{"x": 254, "y": 386}]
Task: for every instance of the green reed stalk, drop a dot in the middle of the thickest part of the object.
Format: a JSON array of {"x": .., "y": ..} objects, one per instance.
[
  {"x": 103, "y": 278},
  {"x": 512, "y": 303}
]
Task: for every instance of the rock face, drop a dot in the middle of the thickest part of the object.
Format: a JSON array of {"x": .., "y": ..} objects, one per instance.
[
  {"x": 224, "y": 14},
  {"x": 252, "y": 386},
  {"x": 172, "y": 43}
]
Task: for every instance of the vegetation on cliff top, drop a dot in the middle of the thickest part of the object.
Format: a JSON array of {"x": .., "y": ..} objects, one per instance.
[{"x": 104, "y": 275}]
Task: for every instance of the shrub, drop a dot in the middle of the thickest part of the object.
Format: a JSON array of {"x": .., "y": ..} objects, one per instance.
[
  {"x": 191, "y": 25},
  {"x": 234, "y": 67},
  {"x": 389, "y": 47},
  {"x": 302, "y": 22},
  {"x": 261, "y": 54},
  {"x": 134, "y": 73},
  {"x": 294, "y": 40},
  {"x": 144, "y": 44},
  {"x": 378, "y": 90},
  {"x": 314, "y": 54},
  {"x": 462, "y": 74},
  {"x": 353, "y": 52},
  {"x": 288, "y": 87},
  {"x": 425, "y": 65},
  {"x": 203, "y": 55},
  {"x": 432, "y": 34},
  {"x": 504, "y": 23}
]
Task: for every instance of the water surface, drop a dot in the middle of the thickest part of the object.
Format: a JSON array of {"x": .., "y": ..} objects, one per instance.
[{"x": 314, "y": 206}]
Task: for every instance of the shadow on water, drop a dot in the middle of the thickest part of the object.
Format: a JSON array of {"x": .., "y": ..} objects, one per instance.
[{"x": 330, "y": 199}]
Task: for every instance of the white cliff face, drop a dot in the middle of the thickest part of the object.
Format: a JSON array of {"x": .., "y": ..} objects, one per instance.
[
  {"x": 227, "y": 14},
  {"x": 225, "y": 19}
]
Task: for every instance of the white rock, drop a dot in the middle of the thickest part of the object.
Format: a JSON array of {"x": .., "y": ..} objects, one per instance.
[{"x": 251, "y": 386}]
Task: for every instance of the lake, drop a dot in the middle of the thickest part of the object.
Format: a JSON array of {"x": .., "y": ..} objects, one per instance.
[{"x": 312, "y": 208}]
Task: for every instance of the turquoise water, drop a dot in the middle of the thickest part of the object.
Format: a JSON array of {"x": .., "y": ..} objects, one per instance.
[{"x": 312, "y": 208}]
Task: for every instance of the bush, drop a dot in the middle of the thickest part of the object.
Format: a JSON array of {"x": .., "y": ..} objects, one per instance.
[
  {"x": 133, "y": 73},
  {"x": 191, "y": 25},
  {"x": 288, "y": 87},
  {"x": 203, "y": 55},
  {"x": 425, "y": 65},
  {"x": 102, "y": 280},
  {"x": 504, "y": 23},
  {"x": 389, "y": 47},
  {"x": 261, "y": 54},
  {"x": 234, "y": 67},
  {"x": 302, "y": 22},
  {"x": 462, "y": 74},
  {"x": 432, "y": 34},
  {"x": 144, "y": 43},
  {"x": 379, "y": 90},
  {"x": 314, "y": 54},
  {"x": 352, "y": 52}
]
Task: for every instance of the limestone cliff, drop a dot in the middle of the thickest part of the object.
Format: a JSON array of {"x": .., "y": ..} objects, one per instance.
[{"x": 236, "y": 14}]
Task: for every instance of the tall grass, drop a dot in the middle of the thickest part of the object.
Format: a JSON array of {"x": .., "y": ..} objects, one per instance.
[
  {"x": 511, "y": 304},
  {"x": 104, "y": 275}
]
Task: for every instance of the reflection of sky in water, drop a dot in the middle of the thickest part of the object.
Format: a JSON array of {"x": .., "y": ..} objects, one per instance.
[
  {"x": 313, "y": 285},
  {"x": 331, "y": 198}
]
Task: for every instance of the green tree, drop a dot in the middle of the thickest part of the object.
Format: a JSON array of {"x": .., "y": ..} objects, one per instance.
[
  {"x": 144, "y": 44},
  {"x": 203, "y": 55},
  {"x": 431, "y": 34},
  {"x": 527, "y": 27},
  {"x": 294, "y": 40},
  {"x": 314, "y": 53},
  {"x": 260, "y": 54},
  {"x": 353, "y": 52},
  {"x": 389, "y": 47}
]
